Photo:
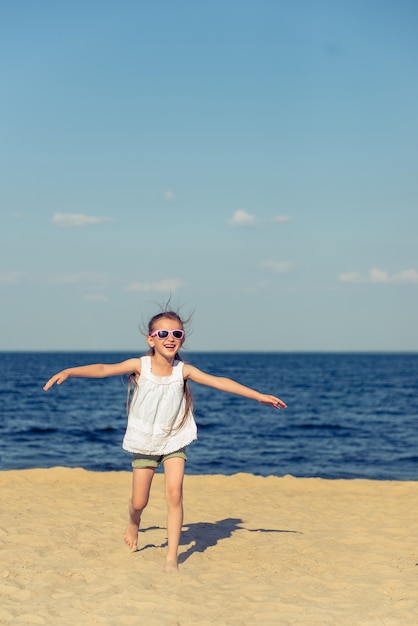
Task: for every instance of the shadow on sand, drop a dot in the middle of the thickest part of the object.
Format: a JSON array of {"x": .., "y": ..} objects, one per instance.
[{"x": 204, "y": 535}]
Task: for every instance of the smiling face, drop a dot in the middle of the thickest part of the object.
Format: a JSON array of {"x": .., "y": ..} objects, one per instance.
[{"x": 167, "y": 346}]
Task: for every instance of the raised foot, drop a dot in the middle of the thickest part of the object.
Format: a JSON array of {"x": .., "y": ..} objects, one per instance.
[{"x": 131, "y": 536}]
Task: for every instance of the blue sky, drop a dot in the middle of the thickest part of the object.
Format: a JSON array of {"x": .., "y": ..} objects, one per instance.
[{"x": 254, "y": 159}]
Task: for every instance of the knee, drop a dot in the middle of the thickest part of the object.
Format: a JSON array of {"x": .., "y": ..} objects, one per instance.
[
  {"x": 139, "y": 503},
  {"x": 174, "y": 496}
]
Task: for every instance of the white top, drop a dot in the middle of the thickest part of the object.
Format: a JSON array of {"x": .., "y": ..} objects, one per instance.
[{"x": 156, "y": 410}]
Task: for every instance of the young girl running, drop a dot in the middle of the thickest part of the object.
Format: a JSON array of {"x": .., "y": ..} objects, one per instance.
[{"x": 160, "y": 419}]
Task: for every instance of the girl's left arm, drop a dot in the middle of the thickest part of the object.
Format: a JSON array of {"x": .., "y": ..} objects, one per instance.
[{"x": 230, "y": 386}]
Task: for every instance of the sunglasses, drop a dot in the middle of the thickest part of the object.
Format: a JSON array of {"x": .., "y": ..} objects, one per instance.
[{"x": 163, "y": 334}]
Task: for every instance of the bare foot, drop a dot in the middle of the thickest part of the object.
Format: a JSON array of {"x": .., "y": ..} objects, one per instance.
[
  {"x": 131, "y": 536},
  {"x": 131, "y": 532},
  {"x": 170, "y": 566}
]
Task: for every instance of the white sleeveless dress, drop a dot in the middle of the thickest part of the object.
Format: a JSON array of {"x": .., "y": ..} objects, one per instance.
[{"x": 156, "y": 411}]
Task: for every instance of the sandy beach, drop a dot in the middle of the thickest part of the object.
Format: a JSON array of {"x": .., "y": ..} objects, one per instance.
[{"x": 254, "y": 550}]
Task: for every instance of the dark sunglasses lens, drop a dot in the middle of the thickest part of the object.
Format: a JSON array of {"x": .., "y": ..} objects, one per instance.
[
  {"x": 178, "y": 334},
  {"x": 162, "y": 334}
]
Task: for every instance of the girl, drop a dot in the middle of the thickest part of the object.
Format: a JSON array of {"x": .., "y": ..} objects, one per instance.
[{"x": 160, "y": 419}]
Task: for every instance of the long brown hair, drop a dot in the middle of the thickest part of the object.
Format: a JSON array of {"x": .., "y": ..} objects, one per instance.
[{"x": 132, "y": 381}]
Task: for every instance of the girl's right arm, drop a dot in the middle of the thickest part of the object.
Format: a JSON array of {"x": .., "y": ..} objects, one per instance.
[{"x": 96, "y": 370}]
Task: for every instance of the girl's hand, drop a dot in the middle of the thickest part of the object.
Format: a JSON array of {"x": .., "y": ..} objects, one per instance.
[
  {"x": 276, "y": 403},
  {"x": 57, "y": 379},
  {"x": 96, "y": 370}
]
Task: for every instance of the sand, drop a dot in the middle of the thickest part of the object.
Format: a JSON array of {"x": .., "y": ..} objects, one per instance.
[{"x": 254, "y": 550}]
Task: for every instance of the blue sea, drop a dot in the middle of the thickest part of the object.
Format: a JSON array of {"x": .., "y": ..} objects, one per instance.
[{"x": 348, "y": 416}]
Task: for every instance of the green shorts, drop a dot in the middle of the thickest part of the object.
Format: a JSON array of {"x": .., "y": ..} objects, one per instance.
[{"x": 153, "y": 460}]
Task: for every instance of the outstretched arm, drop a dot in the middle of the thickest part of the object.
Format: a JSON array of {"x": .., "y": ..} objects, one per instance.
[
  {"x": 231, "y": 386},
  {"x": 95, "y": 370}
]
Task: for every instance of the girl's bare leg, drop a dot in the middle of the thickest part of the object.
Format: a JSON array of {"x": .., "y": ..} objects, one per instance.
[
  {"x": 174, "y": 474},
  {"x": 141, "y": 485}
]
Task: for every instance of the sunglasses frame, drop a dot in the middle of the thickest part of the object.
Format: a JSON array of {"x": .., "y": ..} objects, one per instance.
[{"x": 169, "y": 332}]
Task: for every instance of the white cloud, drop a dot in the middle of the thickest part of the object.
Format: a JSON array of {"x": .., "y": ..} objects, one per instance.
[
  {"x": 170, "y": 285},
  {"x": 76, "y": 219},
  {"x": 350, "y": 277},
  {"x": 169, "y": 195},
  {"x": 242, "y": 218},
  {"x": 277, "y": 267},
  {"x": 10, "y": 278},
  {"x": 377, "y": 275},
  {"x": 78, "y": 277},
  {"x": 96, "y": 297},
  {"x": 406, "y": 276}
]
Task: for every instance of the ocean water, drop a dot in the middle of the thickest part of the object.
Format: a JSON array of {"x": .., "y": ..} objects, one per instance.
[{"x": 349, "y": 415}]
